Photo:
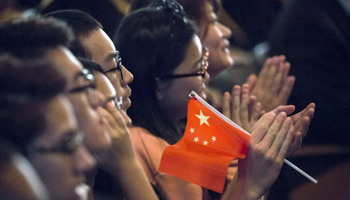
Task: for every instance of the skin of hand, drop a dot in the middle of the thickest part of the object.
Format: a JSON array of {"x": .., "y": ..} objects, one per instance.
[
  {"x": 273, "y": 85},
  {"x": 241, "y": 108},
  {"x": 301, "y": 122},
  {"x": 120, "y": 160},
  {"x": 268, "y": 146}
]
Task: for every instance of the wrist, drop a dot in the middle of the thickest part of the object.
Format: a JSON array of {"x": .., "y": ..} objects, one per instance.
[{"x": 244, "y": 191}]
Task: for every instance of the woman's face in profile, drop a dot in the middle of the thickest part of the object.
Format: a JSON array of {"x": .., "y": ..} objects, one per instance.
[
  {"x": 173, "y": 94},
  {"x": 214, "y": 36}
]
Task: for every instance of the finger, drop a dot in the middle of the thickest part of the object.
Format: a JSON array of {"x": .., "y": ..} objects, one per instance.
[
  {"x": 251, "y": 106},
  {"x": 226, "y": 108},
  {"x": 256, "y": 113},
  {"x": 244, "y": 116},
  {"x": 305, "y": 112},
  {"x": 116, "y": 114},
  {"x": 277, "y": 81},
  {"x": 295, "y": 143},
  {"x": 236, "y": 102},
  {"x": 251, "y": 81},
  {"x": 287, "y": 109},
  {"x": 305, "y": 123},
  {"x": 286, "y": 89},
  {"x": 281, "y": 135},
  {"x": 264, "y": 72},
  {"x": 261, "y": 126},
  {"x": 273, "y": 130},
  {"x": 268, "y": 83},
  {"x": 285, "y": 146}
]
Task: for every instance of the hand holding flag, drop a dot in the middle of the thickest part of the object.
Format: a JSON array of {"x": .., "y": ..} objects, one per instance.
[{"x": 211, "y": 141}]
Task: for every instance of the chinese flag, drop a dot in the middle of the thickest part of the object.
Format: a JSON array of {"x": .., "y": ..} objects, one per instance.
[{"x": 205, "y": 151}]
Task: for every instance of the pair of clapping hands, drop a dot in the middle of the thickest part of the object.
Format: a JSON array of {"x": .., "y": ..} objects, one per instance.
[
  {"x": 269, "y": 93},
  {"x": 274, "y": 135}
]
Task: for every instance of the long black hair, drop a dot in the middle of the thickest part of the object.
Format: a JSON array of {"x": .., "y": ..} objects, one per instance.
[{"x": 153, "y": 41}]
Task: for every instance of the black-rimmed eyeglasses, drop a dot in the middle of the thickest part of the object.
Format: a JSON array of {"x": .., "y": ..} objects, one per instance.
[
  {"x": 201, "y": 72},
  {"x": 119, "y": 65}
]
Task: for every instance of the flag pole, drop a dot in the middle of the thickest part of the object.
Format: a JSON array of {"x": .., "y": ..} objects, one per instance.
[{"x": 195, "y": 95}]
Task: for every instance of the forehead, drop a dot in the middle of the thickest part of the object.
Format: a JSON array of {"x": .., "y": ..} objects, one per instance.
[
  {"x": 59, "y": 119},
  {"x": 63, "y": 58},
  {"x": 99, "y": 45},
  {"x": 104, "y": 85}
]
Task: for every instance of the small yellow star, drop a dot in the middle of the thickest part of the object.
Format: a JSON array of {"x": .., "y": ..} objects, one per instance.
[
  {"x": 196, "y": 139},
  {"x": 205, "y": 142},
  {"x": 203, "y": 119},
  {"x": 192, "y": 130},
  {"x": 213, "y": 138}
]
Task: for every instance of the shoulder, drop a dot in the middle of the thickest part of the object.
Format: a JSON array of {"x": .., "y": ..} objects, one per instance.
[
  {"x": 143, "y": 134},
  {"x": 143, "y": 140}
]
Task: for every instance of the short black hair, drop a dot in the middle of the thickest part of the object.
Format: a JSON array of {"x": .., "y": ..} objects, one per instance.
[
  {"x": 25, "y": 88},
  {"x": 31, "y": 37},
  {"x": 82, "y": 25}
]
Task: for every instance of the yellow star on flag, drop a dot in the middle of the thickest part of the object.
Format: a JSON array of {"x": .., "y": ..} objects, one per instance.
[
  {"x": 213, "y": 138},
  {"x": 203, "y": 119},
  {"x": 205, "y": 143},
  {"x": 192, "y": 130},
  {"x": 196, "y": 139}
]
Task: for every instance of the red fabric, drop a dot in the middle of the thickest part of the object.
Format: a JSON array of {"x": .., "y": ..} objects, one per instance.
[{"x": 205, "y": 151}]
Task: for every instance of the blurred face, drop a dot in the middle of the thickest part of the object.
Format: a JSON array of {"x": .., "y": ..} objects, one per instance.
[
  {"x": 214, "y": 36},
  {"x": 173, "y": 93},
  {"x": 104, "y": 53},
  {"x": 60, "y": 158},
  {"x": 85, "y": 100},
  {"x": 19, "y": 173},
  {"x": 106, "y": 88}
]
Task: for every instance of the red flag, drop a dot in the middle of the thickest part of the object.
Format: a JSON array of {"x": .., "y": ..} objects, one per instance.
[{"x": 205, "y": 151}]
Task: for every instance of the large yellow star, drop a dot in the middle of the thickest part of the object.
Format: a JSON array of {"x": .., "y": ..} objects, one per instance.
[{"x": 203, "y": 119}]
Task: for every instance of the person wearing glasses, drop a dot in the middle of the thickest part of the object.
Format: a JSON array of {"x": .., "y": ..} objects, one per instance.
[
  {"x": 159, "y": 45},
  {"x": 108, "y": 142},
  {"x": 38, "y": 118},
  {"x": 119, "y": 163},
  {"x": 50, "y": 39},
  {"x": 94, "y": 44}
]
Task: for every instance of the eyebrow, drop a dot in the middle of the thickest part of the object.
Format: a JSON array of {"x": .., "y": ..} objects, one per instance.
[{"x": 111, "y": 56}]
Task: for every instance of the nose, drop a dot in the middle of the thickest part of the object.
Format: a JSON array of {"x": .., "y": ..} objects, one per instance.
[
  {"x": 97, "y": 99},
  {"x": 83, "y": 160},
  {"x": 226, "y": 32},
  {"x": 128, "y": 77}
]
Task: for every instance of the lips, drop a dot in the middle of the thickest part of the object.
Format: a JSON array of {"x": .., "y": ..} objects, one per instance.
[{"x": 126, "y": 103}]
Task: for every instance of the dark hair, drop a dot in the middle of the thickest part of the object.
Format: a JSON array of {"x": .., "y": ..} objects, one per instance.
[
  {"x": 31, "y": 37},
  {"x": 29, "y": 3},
  {"x": 26, "y": 87},
  {"x": 82, "y": 24},
  {"x": 195, "y": 10},
  {"x": 153, "y": 41}
]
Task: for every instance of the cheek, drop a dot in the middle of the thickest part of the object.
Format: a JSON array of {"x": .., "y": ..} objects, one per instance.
[
  {"x": 213, "y": 39},
  {"x": 112, "y": 77},
  {"x": 55, "y": 172}
]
